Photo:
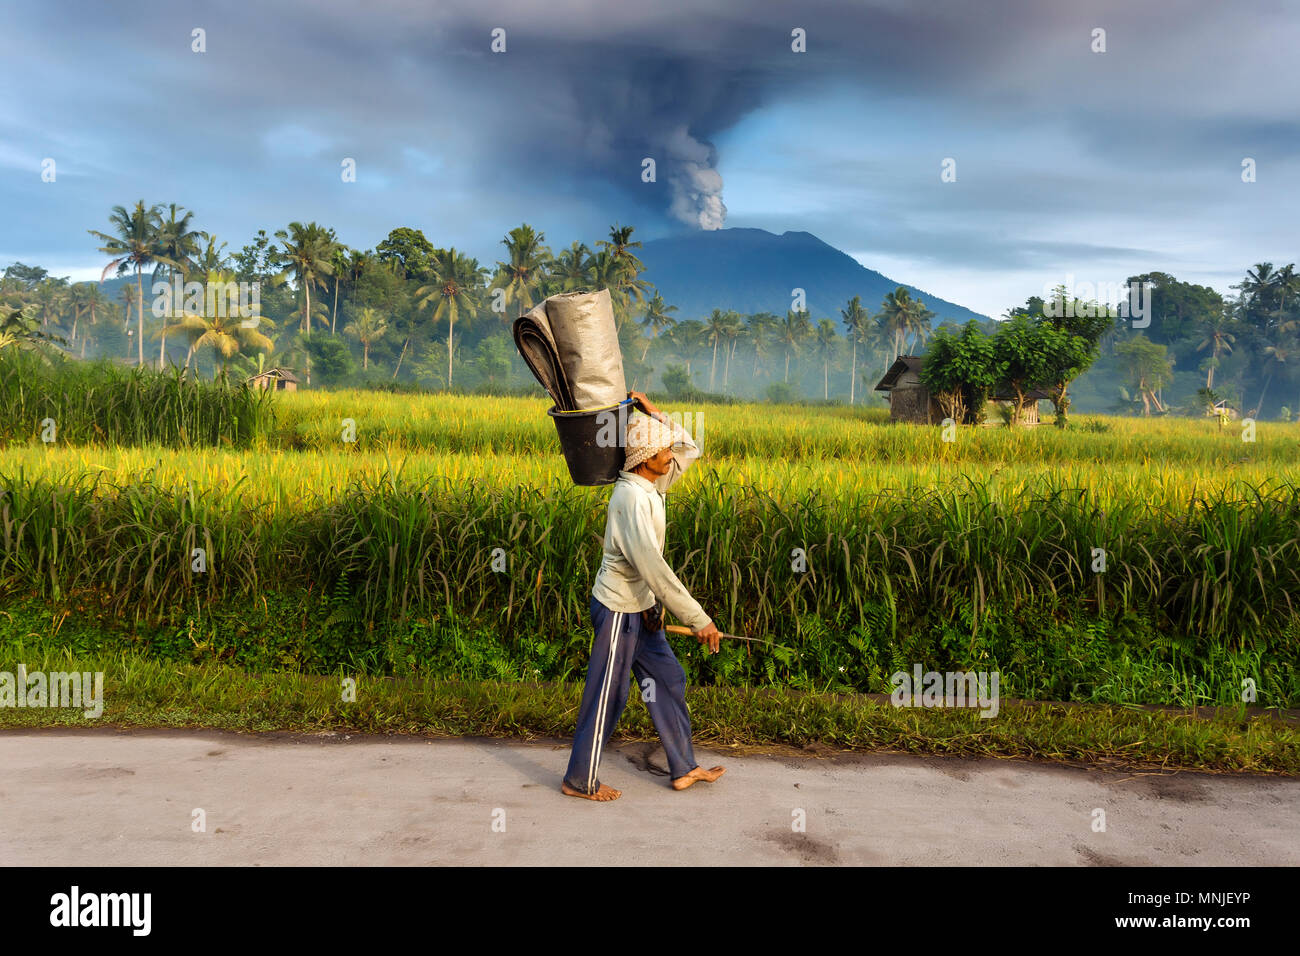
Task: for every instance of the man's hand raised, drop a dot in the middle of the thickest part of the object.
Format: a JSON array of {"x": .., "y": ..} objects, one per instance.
[
  {"x": 642, "y": 401},
  {"x": 709, "y": 635}
]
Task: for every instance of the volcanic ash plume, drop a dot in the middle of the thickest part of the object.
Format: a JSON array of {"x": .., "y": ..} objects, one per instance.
[{"x": 695, "y": 182}]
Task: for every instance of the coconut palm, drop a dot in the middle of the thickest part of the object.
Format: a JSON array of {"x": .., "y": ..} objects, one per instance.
[
  {"x": 225, "y": 332},
  {"x": 827, "y": 343},
  {"x": 308, "y": 253},
  {"x": 209, "y": 257},
  {"x": 715, "y": 331},
  {"x": 79, "y": 297},
  {"x": 686, "y": 339},
  {"x": 572, "y": 270},
  {"x": 522, "y": 275},
  {"x": 855, "y": 319},
  {"x": 656, "y": 319},
  {"x": 733, "y": 328},
  {"x": 339, "y": 261},
  {"x": 919, "y": 325},
  {"x": 896, "y": 314},
  {"x": 1216, "y": 337},
  {"x": 367, "y": 328},
  {"x": 626, "y": 285},
  {"x": 136, "y": 244},
  {"x": 760, "y": 329},
  {"x": 791, "y": 333},
  {"x": 453, "y": 293},
  {"x": 50, "y": 297},
  {"x": 180, "y": 244}
]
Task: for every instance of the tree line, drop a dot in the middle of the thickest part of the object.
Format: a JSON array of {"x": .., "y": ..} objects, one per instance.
[{"x": 410, "y": 311}]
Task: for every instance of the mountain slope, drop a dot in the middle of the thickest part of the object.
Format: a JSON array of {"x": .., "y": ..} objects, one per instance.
[{"x": 753, "y": 270}]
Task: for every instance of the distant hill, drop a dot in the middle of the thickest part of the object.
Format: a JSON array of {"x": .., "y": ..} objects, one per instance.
[{"x": 753, "y": 270}]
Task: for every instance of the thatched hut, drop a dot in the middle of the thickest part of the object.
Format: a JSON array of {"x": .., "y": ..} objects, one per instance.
[
  {"x": 911, "y": 401},
  {"x": 277, "y": 379}
]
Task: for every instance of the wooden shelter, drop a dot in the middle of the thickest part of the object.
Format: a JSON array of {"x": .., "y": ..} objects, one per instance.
[
  {"x": 911, "y": 401},
  {"x": 278, "y": 379}
]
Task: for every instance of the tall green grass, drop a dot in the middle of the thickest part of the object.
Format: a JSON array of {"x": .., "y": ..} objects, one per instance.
[
  {"x": 952, "y": 575},
  {"x": 105, "y": 404}
]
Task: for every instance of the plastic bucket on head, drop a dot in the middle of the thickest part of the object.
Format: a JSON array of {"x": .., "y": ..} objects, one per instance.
[{"x": 592, "y": 440}]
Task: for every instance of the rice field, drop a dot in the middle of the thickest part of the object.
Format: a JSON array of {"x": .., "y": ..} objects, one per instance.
[{"x": 982, "y": 552}]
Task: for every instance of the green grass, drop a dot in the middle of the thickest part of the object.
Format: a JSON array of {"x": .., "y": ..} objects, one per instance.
[{"x": 143, "y": 692}]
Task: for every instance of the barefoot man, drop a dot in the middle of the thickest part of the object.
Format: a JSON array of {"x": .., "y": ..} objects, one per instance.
[{"x": 626, "y": 615}]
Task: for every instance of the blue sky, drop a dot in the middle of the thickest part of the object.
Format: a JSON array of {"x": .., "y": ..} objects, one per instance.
[{"x": 1069, "y": 162}]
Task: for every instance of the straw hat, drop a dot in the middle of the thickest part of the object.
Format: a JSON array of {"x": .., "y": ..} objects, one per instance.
[{"x": 646, "y": 437}]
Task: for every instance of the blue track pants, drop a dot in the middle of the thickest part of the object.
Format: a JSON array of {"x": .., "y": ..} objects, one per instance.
[{"x": 622, "y": 645}]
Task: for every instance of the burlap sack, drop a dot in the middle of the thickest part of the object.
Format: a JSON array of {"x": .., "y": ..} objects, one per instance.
[{"x": 582, "y": 325}]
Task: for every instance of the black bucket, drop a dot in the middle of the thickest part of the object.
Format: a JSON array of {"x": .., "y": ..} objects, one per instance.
[{"x": 593, "y": 441}]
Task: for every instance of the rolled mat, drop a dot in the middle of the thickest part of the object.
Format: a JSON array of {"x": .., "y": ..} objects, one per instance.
[
  {"x": 536, "y": 344},
  {"x": 570, "y": 343}
]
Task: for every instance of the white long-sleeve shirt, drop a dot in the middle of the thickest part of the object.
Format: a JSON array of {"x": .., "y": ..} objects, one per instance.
[{"x": 633, "y": 572}]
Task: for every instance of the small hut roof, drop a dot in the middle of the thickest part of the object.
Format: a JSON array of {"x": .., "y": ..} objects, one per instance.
[
  {"x": 277, "y": 372},
  {"x": 904, "y": 363}
]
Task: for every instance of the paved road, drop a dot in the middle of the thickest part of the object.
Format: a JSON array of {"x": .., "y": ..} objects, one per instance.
[{"x": 73, "y": 797}]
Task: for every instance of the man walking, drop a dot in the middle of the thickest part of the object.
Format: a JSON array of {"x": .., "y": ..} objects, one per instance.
[{"x": 627, "y": 618}]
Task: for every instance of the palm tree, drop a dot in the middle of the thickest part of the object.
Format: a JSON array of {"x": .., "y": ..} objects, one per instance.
[
  {"x": 686, "y": 339},
  {"x": 79, "y": 297},
  {"x": 124, "y": 293},
  {"x": 367, "y": 328},
  {"x": 226, "y": 335},
  {"x": 453, "y": 293},
  {"x": 656, "y": 318},
  {"x": 339, "y": 261},
  {"x": 309, "y": 253},
  {"x": 136, "y": 244},
  {"x": 715, "y": 331},
  {"x": 572, "y": 270},
  {"x": 1217, "y": 338},
  {"x": 855, "y": 323},
  {"x": 179, "y": 243},
  {"x": 791, "y": 333},
  {"x": 828, "y": 340},
  {"x": 522, "y": 275},
  {"x": 210, "y": 258},
  {"x": 896, "y": 314},
  {"x": 1258, "y": 290},
  {"x": 761, "y": 328},
  {"x": 95, "y": 300},
  {"x": 733, "y": 328},
  {"x": 50, "y": 296},
  {"x": 618, "y": 244},
  {"x": 618, "y": 269},
  {"x": 919, "y": 325},
  {"x": 1278, "y": 356}
]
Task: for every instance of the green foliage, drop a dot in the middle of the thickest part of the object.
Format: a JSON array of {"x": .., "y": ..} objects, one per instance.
[
  {"x": 331, "y": 360},
  {"x": 105, "y": 403},
  {"x": 677, "y": 381},
  {"x": 960, "y": 371},
  {"x": 780, "y": 393}
]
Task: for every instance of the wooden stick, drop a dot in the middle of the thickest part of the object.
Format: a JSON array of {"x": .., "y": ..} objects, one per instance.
[{"x": 682, "y": 629}]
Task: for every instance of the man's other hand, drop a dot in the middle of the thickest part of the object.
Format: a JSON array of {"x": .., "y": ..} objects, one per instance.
[
  {"x": 709, "y": 635},
  {"x": 642, "y": 401}
]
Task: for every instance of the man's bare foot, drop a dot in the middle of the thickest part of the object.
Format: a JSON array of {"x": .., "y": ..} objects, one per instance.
[
  {"x": 699, "y": 773},
  {"x": 603, "y": 794}
]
